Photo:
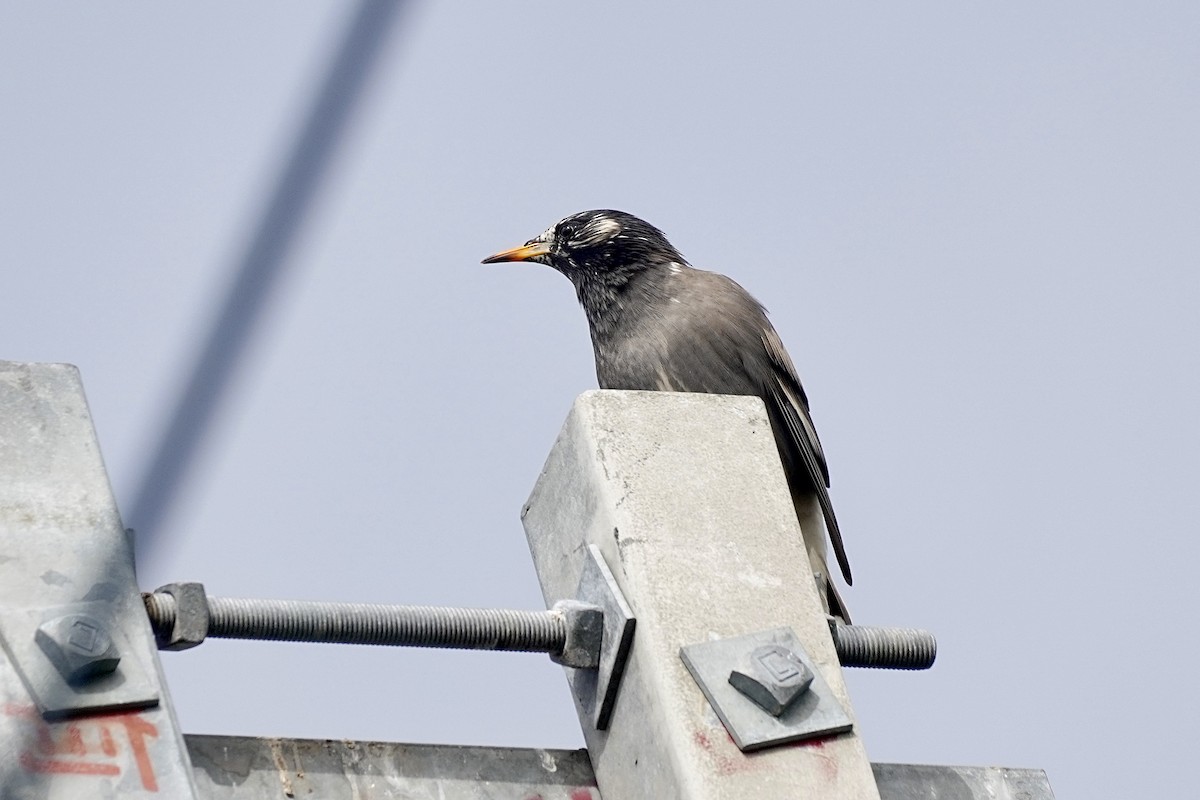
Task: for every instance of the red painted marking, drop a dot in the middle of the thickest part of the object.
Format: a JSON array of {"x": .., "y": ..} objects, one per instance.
[
  {"x": 137, "y": 729},
  {"x": 24, "y": 712},
  {"x": 829, "y": 764},
  {"x": 69, "y": 742},
  {"x": 107, "y": 745},
  {"x": 582, "y": 794},
  {"x": 725, "y": 759},
  {"x": 49, "y": 765},
  {"x": 89, "y": 746}
]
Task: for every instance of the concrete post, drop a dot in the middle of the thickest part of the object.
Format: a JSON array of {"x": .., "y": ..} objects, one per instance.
[
  {"x": 84, "y": 710},
  {"x": 685, "y": 497}
]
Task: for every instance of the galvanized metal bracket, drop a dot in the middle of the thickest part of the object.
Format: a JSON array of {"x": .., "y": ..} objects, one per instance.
[
  {"x": 595, "y": 690},
  {"x": 765, "y": 689}
]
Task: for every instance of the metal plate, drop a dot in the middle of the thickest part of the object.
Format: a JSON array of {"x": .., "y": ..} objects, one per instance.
[
  {"x": 596, "y": 689},
  {"x": 817, "y": 713},
  {"x": 130, "y": 686}
]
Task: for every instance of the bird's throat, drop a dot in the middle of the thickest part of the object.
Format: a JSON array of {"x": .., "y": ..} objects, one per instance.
[{"x": 600, "y": 295}]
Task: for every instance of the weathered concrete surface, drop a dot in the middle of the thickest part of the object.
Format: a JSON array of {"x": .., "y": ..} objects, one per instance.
[
  {"x": 65, "y": 553},
  {"x": 250, "y": 768},
  {"x": 928, "y": 782},
  {"x": 685, "y": 496}
]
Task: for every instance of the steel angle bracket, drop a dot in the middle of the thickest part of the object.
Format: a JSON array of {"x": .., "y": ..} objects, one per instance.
[
  {"x": 765, "y": 688},
  {"x": 595, "y": 690}
]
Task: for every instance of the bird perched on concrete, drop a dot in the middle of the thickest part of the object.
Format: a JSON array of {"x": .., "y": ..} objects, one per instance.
[{"x": 659, "y": 324}]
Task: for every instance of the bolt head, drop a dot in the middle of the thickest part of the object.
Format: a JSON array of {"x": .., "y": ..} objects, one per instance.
[
  {"x": 79, "y": 646},
  {"x": 773, "y": 677}
]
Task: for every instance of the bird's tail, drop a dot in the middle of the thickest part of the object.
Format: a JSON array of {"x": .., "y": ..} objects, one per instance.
[
  {"x": 834, "y": 603},
  {"x": 812, "y": 526}
]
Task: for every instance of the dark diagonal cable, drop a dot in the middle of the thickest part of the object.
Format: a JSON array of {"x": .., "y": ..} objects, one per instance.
[{"x": 259, "y": 269}]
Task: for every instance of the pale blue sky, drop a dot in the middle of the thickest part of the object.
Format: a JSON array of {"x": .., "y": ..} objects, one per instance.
[{"x": 976, "y": 228}]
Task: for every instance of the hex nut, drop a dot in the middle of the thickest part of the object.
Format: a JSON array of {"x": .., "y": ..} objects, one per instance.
[
  {"x": 79, "y": 646},
  {"x": 585, "y": 634},
  {"x": 190, "y": 621}
]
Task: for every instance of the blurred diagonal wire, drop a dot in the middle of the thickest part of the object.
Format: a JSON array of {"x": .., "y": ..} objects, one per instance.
[{"x": 258, "y": 270}]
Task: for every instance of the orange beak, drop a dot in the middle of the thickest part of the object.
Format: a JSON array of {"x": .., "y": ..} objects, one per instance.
[{"x": 523, "y": 253}]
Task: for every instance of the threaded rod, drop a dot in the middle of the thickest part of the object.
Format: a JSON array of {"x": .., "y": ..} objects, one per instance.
[
  {"x": 361, "y": 623},
  {"x": 884, "y": 648},
  {"x": 473, "y": 628}
]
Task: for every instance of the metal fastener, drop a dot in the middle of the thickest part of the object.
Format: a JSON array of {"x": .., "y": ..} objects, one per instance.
[
  {"x": 79, "y": 646},
  {"x": 883, "y": 648},
  {"x": 179, "y": 615},
  {"x": 773, "y": 678},
  {"x": 584, "y": 634}
]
